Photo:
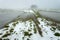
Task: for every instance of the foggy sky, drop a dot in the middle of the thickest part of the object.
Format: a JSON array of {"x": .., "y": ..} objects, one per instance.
[{"x": 20, "y": 4}]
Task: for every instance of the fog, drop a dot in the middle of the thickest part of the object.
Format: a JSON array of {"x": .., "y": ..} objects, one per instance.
[
  {"x": 53, "y": 15},
  {"x": 6, "y": 16},
  {"x": 20, "y": 4},
  {"x": 24, "y": 4}
]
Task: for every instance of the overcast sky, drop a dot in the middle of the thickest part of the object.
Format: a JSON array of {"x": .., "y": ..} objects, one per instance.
[{"x": 20, "y": 4}]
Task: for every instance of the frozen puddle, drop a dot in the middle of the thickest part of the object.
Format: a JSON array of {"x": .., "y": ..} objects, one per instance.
[{"x": 27, "y": 31}]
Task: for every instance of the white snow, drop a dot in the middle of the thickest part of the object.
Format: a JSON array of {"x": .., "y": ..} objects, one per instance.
[{"x": 21, "y": 27}]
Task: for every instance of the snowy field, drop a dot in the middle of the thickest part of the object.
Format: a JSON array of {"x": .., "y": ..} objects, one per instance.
[{"x": 19, "y": 30}]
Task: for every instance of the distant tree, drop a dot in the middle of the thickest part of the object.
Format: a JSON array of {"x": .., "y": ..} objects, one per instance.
[{"x": 34, "y": 7}]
